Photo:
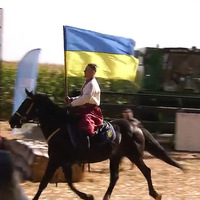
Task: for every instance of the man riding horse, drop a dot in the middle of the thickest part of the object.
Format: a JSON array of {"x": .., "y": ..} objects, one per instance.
[
  {"x": 61, "y": 150},
  {"x": 87, "y": 104}
]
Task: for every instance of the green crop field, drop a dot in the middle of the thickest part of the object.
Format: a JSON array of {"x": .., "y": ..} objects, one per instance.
[{"x": 51, "y": 81}]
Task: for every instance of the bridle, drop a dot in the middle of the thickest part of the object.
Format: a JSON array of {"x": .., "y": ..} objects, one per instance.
[{"x": 24, "y": 117}]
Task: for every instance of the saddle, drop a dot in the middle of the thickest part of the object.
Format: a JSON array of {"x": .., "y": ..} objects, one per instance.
[{"x": 104, "y": 135}]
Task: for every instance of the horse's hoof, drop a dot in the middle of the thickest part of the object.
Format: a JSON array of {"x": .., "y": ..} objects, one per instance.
[
  {"x": 106, "y": 197},
  {"x": 90, "y": 197},
  {"x": 159, "y": 197}
]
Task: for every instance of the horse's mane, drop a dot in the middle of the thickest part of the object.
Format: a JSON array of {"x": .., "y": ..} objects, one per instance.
[{"x": 50, "y": 107}]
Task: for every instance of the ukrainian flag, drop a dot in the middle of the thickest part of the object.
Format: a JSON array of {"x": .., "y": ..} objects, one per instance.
[{"x": 113, "y": 55}]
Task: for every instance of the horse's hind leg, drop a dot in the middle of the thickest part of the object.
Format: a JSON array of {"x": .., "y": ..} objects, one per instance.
[
  {"x": 114, "y": 176},
  {"x": 49, "y": 172},
  {"x": 155, "y": 148},
  {"x": 67, "y": 170},
  {"x": 147, "y": 174}
]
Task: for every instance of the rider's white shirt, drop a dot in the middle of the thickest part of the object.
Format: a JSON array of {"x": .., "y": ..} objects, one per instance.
[{"x": 91, "y": 94}]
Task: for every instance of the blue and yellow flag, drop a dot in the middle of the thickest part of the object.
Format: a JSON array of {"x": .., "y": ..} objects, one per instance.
[{"x": 113, "y": 55}]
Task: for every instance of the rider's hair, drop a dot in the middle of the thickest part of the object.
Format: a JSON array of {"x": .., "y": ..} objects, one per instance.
[{"x": 92, "y": 66}]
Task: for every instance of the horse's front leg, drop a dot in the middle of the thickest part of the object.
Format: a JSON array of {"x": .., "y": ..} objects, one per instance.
[
  {"x": 114, "y": 176},
  {"x": 67, "y": 170},
  {"x": 49, "y": 172}
]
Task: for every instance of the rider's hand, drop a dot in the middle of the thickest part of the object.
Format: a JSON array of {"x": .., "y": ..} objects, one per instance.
[
  {"x": 69, "y": 105},
  {"x": 68, "y": 99}
]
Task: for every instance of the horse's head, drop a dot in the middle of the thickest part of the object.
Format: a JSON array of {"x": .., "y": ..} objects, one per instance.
[
  {"x": 26, "y": 112},
  {"x": 36, "y": 107}
]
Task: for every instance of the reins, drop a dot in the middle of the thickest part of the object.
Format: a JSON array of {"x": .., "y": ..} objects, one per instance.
[{"x": 48, "y": 139}]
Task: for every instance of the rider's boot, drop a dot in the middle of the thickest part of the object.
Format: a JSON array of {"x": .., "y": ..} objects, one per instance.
[{"x": 84, "y": 142}]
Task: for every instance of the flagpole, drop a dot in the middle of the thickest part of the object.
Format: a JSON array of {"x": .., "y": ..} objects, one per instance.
[
  {"x": 66, "y": 78},
  {"x": 65, "y": 65}
]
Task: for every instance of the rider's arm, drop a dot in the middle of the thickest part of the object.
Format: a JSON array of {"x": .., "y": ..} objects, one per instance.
[{"x": 85, "y": 98}]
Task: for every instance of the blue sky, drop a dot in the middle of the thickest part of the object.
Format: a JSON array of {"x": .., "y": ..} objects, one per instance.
[{"x": 29, "y": 24}]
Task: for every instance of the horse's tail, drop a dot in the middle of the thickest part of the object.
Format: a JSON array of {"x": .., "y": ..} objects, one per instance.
[{"x": 154, "y": 148}]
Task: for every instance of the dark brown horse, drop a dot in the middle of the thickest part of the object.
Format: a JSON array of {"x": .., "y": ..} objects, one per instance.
[{"x": 53, "y": 120}]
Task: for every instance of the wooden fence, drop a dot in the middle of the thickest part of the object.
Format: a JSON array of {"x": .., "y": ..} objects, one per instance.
[{"x": 157, "y": 111}]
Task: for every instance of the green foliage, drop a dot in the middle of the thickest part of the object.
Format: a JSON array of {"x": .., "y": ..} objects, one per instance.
[
  {"x": 7, "y": 80},
  {"x": 51, "y": 81}
]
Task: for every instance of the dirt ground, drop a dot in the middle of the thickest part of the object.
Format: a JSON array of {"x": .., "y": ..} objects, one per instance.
[{"x": 172, "y": 183}]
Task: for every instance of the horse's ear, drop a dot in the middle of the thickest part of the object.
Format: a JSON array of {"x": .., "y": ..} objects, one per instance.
[{"x": 30, "y": 94}]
